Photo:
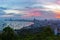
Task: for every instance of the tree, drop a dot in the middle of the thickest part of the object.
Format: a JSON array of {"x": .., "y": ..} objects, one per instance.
[
  {"x": 8, "y": 34},
  {"x": 0, "y": 36}
]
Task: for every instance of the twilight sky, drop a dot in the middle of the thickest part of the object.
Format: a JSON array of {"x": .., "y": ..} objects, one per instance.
[{"x": 30, "y": 8}]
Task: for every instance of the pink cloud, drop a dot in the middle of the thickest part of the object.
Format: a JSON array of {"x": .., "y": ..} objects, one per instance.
[
  {"x": 58, "y": 1},
  {"x": 33, "y": 13}
]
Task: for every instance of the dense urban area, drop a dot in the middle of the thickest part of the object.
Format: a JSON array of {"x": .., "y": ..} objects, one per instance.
[{"x": 40, "y": 30}]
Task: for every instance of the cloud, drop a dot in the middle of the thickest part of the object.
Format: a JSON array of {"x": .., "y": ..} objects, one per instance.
[
  {"x": 57, "y": 2},
  {"x": 6, "y": 16},
  {"x": 57, "y": 16},
  {"x": 14, "y": 12},
  {"x": 20, "y": 4},
  {"x": 31, "y": 8},
  {"x": 32, "y": 14}
]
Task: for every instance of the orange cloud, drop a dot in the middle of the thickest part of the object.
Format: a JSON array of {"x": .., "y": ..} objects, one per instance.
[
  {"x": 57, "y": 16},
  {"x": 57, "y": 13}
]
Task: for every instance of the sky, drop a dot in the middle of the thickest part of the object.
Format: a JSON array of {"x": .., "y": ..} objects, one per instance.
[{"x": 46, "y": 9}]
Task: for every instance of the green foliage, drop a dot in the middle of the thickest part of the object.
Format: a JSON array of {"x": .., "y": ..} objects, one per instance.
[
  {"x": 45, "y": 33},
  {"x": 8, "y": 34}
]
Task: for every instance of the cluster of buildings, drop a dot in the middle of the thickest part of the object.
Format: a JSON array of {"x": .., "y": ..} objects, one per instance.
[{"x": 54, "y": 24}]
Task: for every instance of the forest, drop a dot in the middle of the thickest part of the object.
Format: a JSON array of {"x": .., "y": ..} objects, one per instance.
[{"x": 43, "y": 33}]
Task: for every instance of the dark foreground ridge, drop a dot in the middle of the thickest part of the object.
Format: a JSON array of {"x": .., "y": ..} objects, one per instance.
[{"x": 37, "y": 33}]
